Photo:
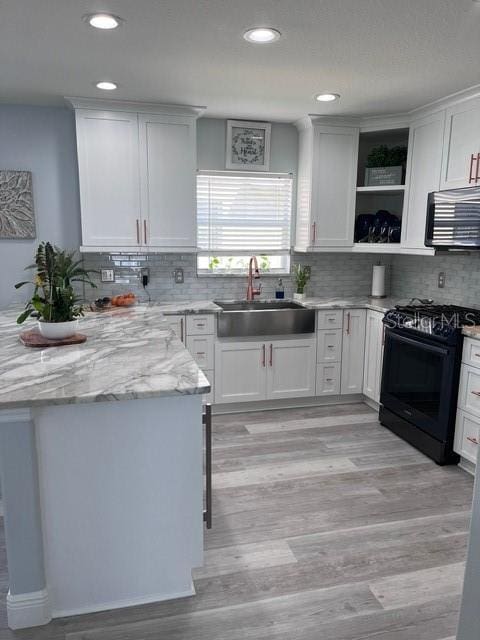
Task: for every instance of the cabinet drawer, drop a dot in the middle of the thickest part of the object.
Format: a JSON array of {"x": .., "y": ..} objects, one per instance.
[
  {"x": 330, "y": 319},
  {"x": 208, "y": 397},
  {"x": 328, "y": 379},
  {"x": 467, "y": 436},
  {"x": 201, "y": 348},
  {"x": 469, "y": 392},
  {"x": 329, "y": 345},
  {"x": 200, "y": 325},
  {"x": 471, "y": 352}
]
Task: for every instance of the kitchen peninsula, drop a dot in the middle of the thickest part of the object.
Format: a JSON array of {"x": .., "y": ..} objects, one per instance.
[{"x": 101, "y": 460}]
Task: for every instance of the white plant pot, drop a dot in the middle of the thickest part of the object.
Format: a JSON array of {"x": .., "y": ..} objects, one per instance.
[
  {"x": 58, "y": 330},
  {"x": 299, "y": 296}
]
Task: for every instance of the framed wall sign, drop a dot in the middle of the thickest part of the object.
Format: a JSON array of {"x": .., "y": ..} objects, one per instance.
[{"x": 248, "y": 145}]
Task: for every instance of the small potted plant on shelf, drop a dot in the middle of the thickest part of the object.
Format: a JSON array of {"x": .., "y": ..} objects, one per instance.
[
  {"x": 54, "y": 302},
  {"x": 385, "y": 166},
  {"x": 302, "y": 276}
]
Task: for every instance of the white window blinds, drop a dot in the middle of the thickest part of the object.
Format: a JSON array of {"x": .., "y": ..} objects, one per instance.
[{"x": 244, "y": 213}]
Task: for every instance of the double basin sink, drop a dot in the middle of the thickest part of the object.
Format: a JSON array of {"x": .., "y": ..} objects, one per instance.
[{"x": 240, "y": 318}]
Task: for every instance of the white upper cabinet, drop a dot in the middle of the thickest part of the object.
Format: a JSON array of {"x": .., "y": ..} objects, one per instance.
[
  {"x": 107, "y": 144},
  {"x": 167, "y": 174},
  {"x": 424, "y": 168},
  {"x": 461, "y": 165},
  {"x": 326, "y": 186},
  {"x": 137, "y": 169}
]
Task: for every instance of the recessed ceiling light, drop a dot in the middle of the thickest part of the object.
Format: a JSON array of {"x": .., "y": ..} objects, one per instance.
[
  {"x": 106, "y": 85},
  {"x": 262, "y": 35},
  {"x": 103, "y": 20},
  {"x": 327, "y": 97}
]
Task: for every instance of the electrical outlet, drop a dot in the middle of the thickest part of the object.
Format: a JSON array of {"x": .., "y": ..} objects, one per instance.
[
  {"x": 107, "y": 275},
  {"x": 441, "y": 279},
  {"x": 178, "y": 275}
]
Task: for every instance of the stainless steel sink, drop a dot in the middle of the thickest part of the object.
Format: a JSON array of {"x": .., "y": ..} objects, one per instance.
[{"x": 263, "y": 318}]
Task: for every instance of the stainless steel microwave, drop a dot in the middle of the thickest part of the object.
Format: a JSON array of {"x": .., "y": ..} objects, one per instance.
[{"x": 453, "y": 219}]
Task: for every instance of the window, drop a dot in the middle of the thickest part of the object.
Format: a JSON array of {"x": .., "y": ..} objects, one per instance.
[{"x": 241, "y": 214}]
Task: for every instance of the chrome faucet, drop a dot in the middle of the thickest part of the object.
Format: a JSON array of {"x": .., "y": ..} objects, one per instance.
[{"x": 253, "y": 274}]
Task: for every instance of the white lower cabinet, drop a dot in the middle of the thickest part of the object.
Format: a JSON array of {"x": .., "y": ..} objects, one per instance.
[
  {"x": 201, "y": 348},
  {"x": 328, "y": 379},
  {"x": 467, "y": 436},
  {"x": 372, "y": 370},
  {"x": 271, "y": 369},
  {"x": 240, "y": 371},
  {"x": 353, "y": 350},
  {"x": 467, "y": 426},
  {"x": 291, "y": 368},
  {"x": 329, "y": 345}
]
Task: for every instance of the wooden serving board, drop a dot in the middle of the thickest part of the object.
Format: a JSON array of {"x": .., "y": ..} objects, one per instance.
[{"x": 34, "y": 338}]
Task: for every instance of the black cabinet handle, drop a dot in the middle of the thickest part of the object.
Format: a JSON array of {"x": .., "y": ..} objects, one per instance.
[{"x": 207, "y": 421}]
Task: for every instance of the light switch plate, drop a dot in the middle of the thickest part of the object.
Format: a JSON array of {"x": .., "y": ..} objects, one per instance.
[{"x": 107, "y": 275}]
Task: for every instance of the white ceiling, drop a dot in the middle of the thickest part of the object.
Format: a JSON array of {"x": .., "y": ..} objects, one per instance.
[{"x": 382, "y": 56}]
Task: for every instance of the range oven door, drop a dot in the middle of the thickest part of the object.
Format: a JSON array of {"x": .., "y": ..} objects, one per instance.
[{"x": 420, "y": 382}]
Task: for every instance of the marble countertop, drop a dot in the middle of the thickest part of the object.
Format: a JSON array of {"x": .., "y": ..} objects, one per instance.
[
  {"x": 189, "y": 307},
  {"x": 472, "y": 332},
  {"x": 376, "y": 304},
  {"x": 129, "y": 354},
  {"x": 208, "y": 306}
]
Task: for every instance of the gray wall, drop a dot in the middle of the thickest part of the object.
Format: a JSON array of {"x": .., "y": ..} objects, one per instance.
[
  {"x": 41, "y": 140},
  {"x": 417, "y": 276},
  {"x": 211, "y": 140}
]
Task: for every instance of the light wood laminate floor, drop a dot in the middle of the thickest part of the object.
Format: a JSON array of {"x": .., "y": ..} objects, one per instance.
[{"x": 326, "y": 527}]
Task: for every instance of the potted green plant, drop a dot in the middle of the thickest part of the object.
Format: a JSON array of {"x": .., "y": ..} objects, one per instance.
[
  {"x": 385, "y": 165},
  {"x": 301, "y": 275},
  {"x": 54, "y": 302}
]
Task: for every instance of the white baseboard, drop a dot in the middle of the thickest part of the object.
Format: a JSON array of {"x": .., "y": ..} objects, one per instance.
[
  {"x": 286, "y": 403},
  {"x": 122, "y": 604},
  {"x": 28, "y": 609}
]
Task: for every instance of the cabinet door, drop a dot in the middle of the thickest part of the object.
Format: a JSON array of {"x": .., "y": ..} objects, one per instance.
[
  {"x": 240, "y": 371},
  {"x": 372, "y": 370},
  {"x": 334, "y": 176},
  {"x": 461, "y": 139},
  {"x": 353, "y": 350},
  {"x": 107, "y": 144},
  {"x": 291, "y": 368},
  {"x": 425, "y": 167},
  {"x": 168, "y": 174}
]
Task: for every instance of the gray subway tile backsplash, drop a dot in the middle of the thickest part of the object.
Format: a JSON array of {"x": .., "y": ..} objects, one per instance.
[{"x": 333, "y": 274}]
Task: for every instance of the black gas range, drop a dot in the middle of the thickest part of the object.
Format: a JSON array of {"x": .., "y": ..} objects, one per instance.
[{"x": 421, "y": 368}]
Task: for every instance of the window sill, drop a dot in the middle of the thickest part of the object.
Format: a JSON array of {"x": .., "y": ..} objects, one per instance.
[{"x": 243, "y": 276}]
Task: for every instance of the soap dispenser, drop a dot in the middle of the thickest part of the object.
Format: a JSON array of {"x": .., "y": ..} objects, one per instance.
[{"x": 280, "y": 290}]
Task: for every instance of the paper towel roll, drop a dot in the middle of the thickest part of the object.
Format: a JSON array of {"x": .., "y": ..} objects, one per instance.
[{"x": 378, "y": 281}]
